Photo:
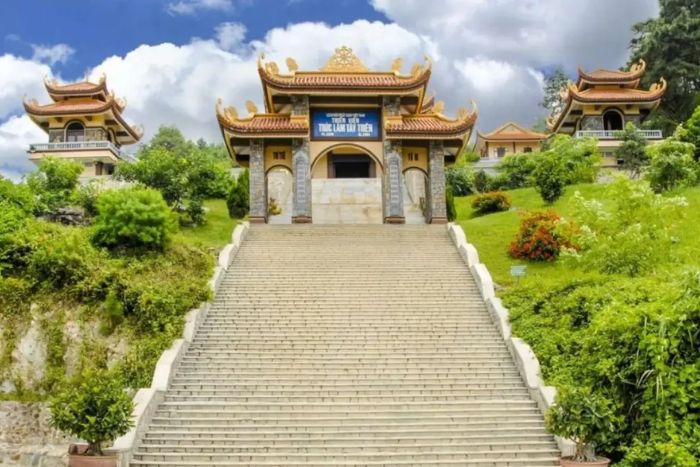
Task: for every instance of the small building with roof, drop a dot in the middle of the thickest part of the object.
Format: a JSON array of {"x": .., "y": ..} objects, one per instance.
[
  {"x": 602, "y": 102},
  {"x": 84, "y": 123},
  {"x": 346, "y": 140},
  {"x": 509, "y": 138}
]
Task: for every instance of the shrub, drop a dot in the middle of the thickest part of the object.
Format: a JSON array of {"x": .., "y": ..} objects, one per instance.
[
  {"x": 14, "y": 296},
  {"x": 515, "y": 171},
  {"x": 54, "y": 182},
  {"x": 482, "y": 181},
  {"x": 584, "y": 417},
  {"x": 539, "y": 238},
  {"x": 631, "y": 235},
  {"x": 96, "y": 408},
  {"x": 62, "y": 257},
  {"x": 16, "y": 195},
  {"x": 494, "y": 201},
  {"x": 135, "y": 218},
  {"x": 671, "y": 166},
  {"x": 451, "y": 210},
  {"x": 549, "y": 177},
  {"x": 86, "y": 197},
  {"x": 136, "y": 369},
  {"x": 689, "y": 132},
  {"x": 632, "y": 150},
  {"x": 579, "y": 157},
  {"x": 460, "y": 180},
  {"x": 238, "y": 200}
]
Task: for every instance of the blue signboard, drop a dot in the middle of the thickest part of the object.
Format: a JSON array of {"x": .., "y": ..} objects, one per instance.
[{"x": 346, "y": 124}]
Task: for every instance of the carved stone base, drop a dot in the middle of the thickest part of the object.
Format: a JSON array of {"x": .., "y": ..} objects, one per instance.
[
  {"x": 301, "y": 220},
  {"x": 257, "y": 220},
  {"x": 395, "y": 220}
]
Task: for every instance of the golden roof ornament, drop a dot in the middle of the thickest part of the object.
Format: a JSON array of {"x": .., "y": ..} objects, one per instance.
[
  {"x": 292, "y": 65},
  {"x": 251, "y": 107},
  {"x": 438, "y": 107},
  {"x": 272, "y": 68},
  {"x": 344, "y": 60},
  {"x": 396, "y": 65}
]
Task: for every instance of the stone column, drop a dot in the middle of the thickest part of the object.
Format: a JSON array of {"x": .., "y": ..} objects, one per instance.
[
  {"x": 392, "y": 182},
  {"x": 258, "y": 185},
  {"x": 392, "y": 186},
  {"x": 301, "y": 194},
  {"x": 437, "y": 209}
]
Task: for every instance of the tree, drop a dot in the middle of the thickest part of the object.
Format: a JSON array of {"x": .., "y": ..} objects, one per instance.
[
  {"x": 238, "y": 200},
  {"x": 580, "y": 157},
  {"x": 689, "y": 132},
  {"x": 553, "y": 85},
  {"x": 549, "y": 177},
  {"x": 632, "y": 150},
  {"x": 672, "y": 165},
  {"x": 669, "y": 45},
  {"x": 54, "y": 182}
]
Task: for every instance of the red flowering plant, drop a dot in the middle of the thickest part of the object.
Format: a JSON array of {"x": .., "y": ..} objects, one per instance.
[{"x": 542, "y": 237}]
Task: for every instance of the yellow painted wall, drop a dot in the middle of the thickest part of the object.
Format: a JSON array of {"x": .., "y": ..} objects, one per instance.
[
  {"x": 421, "y": 153},
  {"x": 631, "y": 109},
  {"x": 96, "y": 121},
  {"x": 270, "y": 161},
  {"x": 508, "y": 145}
]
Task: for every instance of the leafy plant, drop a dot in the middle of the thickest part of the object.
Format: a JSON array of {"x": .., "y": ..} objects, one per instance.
[
  {"x": 54, "y": 182},
  {"x": 238, "y": 200},
  {"x": 689, "y": 132},
  {"x": 494, "y": 201},
  {"x": 672, "y": 165},
  {"x": 515, "y": 171},
  {"x": 132, "y": 218},
  {"x": 460, "y": 180},
  {"x": 450, "y": 205},
  {"x": 95, "y": 408},
  {"x": 539, "y": 238},
  {"x": 549, "y": 177},
  {"x": 585, "y": 417},
  {"x": 482, "y": 181},
  {"x": 632, "y": 150}
]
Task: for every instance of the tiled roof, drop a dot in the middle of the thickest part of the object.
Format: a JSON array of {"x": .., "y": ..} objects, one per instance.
[
  {"x": 353, "y": 81},
  {"x": 512, "y": 132},
  {"x": 265, "y": 124},
  {"x": 617, "y": 95},
  {"x": 604, "y": 75},
  {"x": 82, "y": 88},
  {"x": 430, "y": 125},
  {"x": 70, "y": 106}
]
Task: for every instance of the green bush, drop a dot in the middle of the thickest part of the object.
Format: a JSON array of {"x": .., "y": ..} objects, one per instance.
[
  {"x": 86, "y": 197},
  {"x": 515, "y": 171},
  {"x": 96, "y": 409},
  {"x": 584, "y": 417},
  {"x": 133, "y": 218},
  {"x": 672, "y": 165},
  {"x": 14, "y": 296},
  {"x": 632, "y": 150},
  {"x": 451, "y": 210},
  {"x": 136, "y": 369},
  {"x": 62, "y": 257},
  {"x": 541, "y": 237},
  {"x": 459, "y": 180},
  {"x": 579, "y": 157},
  {"x": 16, "y": 195},
  {"x": 549, "y": 177},
  {"x": 238, "y": 200},
  {"x": 482, "y": 182},
  {"x": 494, "y": 201},
  {"x": 55, "y": 182}
]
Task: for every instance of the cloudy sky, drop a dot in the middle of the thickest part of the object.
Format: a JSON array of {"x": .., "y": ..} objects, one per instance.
[{"x": 171, "y": 59}]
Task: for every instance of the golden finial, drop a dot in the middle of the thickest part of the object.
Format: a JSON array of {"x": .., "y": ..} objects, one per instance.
[
  {"x": 230, "y": 113},
  {"x": 292, "y": 65},
  {"x": 396, "y": 65},
  {"x": 639, "y": 66},
  {"x": 428, "y": 62},
  {"x": 251, "y": 107},
  {"x": 660, "y": 86},
  {"x": 272, "y": 68},
  {"x": 103, "y": 78},
  {"x": 438, "y": 107},
  {"x": 462, "y": 113},
  {"x": 416, "y": 69},
  {"x": 344, "y": 60}
]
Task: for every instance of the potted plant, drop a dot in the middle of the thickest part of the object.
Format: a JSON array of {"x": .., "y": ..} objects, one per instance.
[
  {"x": 585, "y": 418},
  {"x": 95, "y": 408}
]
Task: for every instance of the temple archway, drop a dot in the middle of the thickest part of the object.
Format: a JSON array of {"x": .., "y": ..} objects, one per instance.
[
  {"x": 415, "y": 201},
  {"x": 613, "y": 120},
  {"x": 346, "y": 182},
  {"x": 279, "y": 181}
]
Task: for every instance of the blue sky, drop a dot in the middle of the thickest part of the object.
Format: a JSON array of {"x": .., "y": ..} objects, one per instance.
[
  {"x": 172, "y": 59},
  {"x": 100, "y": 28}
]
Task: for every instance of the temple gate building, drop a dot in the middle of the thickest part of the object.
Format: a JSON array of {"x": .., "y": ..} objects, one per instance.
[
  {"x": 510, "y": 138},
  {"x": 602, "y": 101},
  {"x": 345, "y": 144},
  {"x": 85, "y": 124}
]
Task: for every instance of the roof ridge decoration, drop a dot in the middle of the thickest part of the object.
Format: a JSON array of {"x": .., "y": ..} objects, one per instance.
[
  {"x": 607, "y": 75},
  {"x": 344, "y": 60}
]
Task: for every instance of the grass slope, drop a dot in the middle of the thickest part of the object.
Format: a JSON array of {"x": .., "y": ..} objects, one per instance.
[
  {"x": 216, "y": 232},
  {"x": 492, "y": 233}
]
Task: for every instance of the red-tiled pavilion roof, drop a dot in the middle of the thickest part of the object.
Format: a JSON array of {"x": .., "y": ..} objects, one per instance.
[
  {"x": 512, "y": 132},
  {"x": 602, "y": 75}
]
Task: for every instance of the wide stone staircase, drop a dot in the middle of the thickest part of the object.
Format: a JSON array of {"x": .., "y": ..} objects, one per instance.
[{"x": 347, "y": 345}]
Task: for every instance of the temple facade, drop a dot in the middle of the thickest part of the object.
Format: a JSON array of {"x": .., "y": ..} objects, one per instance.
[
  {"x": 510, "y": 138},
  {"x": 84, "y": 123},
  {"x": 602, "y": 102},
  {"x": 345, "y": 144}
]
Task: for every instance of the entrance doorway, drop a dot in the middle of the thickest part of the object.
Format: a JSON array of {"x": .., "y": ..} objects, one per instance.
[{"x": 351, "y": 166}]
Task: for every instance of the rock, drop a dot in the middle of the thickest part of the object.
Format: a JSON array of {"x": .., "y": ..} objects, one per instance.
[
  {"x": 67, "y": 216},
  {"x": 29, "y": 356}
]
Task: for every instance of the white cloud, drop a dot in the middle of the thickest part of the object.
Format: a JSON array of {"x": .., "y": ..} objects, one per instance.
[
  {"x": 484, "y": 74},
  {"x": 230, "y": 35},
  {"x": 52, "y": 54},
  {"x": 18, "y": 78},
  {"x": 190, "y": 7},
  {"x": 16, "y": 134}
]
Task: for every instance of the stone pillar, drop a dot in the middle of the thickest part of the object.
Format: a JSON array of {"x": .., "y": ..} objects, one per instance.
[
  {"x": 392, "y": 182},
  {"x": 301, "y": 171},
  {"x": 258, "y": 184},
  {"x": 437, "y": 209}
]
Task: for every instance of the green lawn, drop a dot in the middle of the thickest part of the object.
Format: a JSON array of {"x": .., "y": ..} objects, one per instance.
[
  {"x": 492, "y": 233},
  {"x": 216, "y": 232}
]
